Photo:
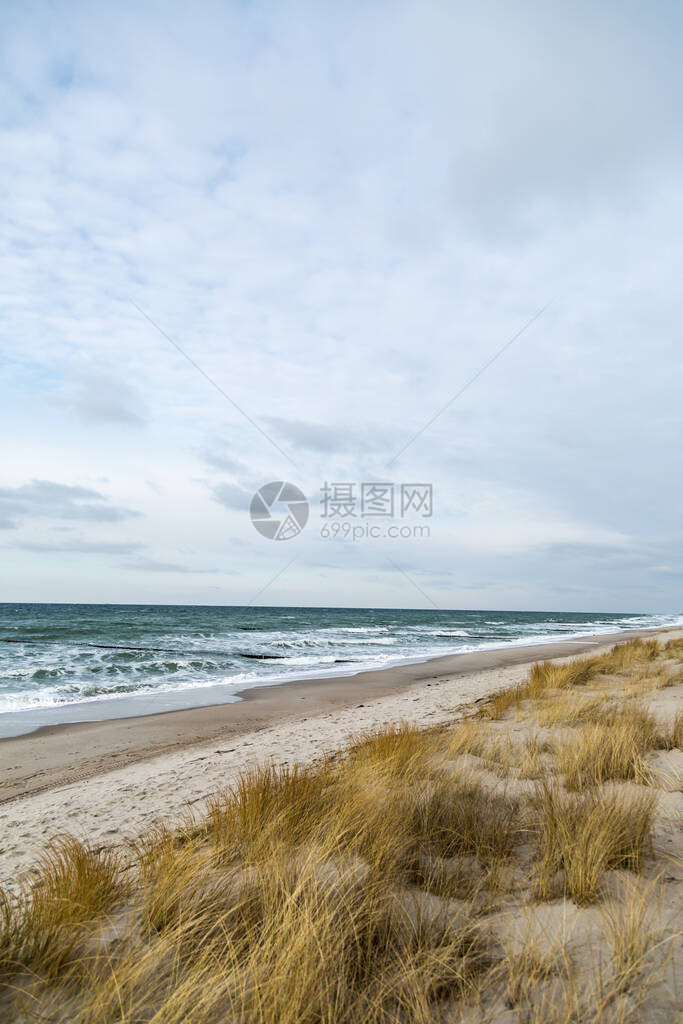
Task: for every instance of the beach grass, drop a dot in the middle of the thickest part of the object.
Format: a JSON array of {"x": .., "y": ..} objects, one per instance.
[{"x": 500, "y": 868}]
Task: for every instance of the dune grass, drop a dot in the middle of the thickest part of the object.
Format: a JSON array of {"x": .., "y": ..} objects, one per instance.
[
  {"x": 547, "y": 676},
  {"x": 570, "y": 710},
  {"x": 629, "y": 924},
  {"x": 675, "y": 737},
  {"x": 583, "y": 835},
  {"x": 613, "y": 747},
  {"x": 369, "y": 887},
  {"x": 75, "y": 885},
  {"x": 543, "y": 676},
  {"x": 529, "y": 963}
]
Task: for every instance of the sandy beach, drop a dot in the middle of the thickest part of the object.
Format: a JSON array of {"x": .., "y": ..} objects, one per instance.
[{"x": 107, "y": 780}]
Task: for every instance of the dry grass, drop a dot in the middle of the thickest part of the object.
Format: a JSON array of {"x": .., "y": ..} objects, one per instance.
[
  {"x": 629, "y": 923},
  {"x": 547, "y": 676},
  {"x": 544, "y": 676},
  {"x": 570, "y": 710},
  {"x": 396, "y": 750},
  {"x": 582, "y": 835},
  {"x": 525, "y": 966},
  {"x": 266, "y": 808},
  {"x": 652, "y": 676},
  {"x": 497, "y": 751},
  {"x": 366, "y": 888},
  {"x": 74, "y": 886},
  {"x": 473, "y": 737},
  {"x": 461, "y": 816},
  {"x": 614, "y": 747},
  {"x": 305, "y": 938},
  {"x": 625, "y": 657},
  {"x": 291, "y": 944},
  {"x": 674, "y": 649}
]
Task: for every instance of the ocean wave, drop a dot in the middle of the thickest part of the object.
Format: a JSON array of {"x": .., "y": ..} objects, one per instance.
[
  {"x": 360, "y": 629},
  {"x": 57, "y": 667}
]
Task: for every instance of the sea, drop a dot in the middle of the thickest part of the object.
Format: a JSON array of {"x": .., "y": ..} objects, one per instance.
[{"x": 70, "y": 662}]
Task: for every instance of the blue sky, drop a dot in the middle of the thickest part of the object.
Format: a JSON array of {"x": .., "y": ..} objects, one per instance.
[{"x": 341, "y": 212}]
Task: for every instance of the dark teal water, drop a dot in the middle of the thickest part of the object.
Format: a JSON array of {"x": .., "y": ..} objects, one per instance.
[{"x": 59, "y": 655}]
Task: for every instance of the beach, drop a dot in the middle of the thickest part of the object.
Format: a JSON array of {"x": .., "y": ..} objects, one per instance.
[{"x": 109, "y": 780}]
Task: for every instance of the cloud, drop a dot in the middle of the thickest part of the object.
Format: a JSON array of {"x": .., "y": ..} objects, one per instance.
[
  {"x": 216, "y": 457},
  {"x": 46, "y": 499},
  {"x": 345, "y": 438},
  {"x": 232, "y": 496},
  {"x": 341, "y": 213},
  {"x": 144, "y": 564},
  {"x": 104, "y": 398},
  {"x": 94, "y": 547}
]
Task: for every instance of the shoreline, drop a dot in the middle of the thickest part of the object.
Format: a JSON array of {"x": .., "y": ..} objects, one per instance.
[
  {"x": 104, "y": 781},
  {"x": 41, "y": 720},
  {"x": 74, "y": 750}
]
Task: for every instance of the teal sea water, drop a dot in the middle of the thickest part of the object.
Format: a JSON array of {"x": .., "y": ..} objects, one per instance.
[{"x": 59, "y": 656}]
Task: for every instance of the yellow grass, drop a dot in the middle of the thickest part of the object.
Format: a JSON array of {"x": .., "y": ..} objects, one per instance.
[
  {"x": 627, "y": 655},
  {"x": 653, "y": 677},
  {"x": 629, "y": 923},
  {"x": 569, "y": 710},
  {"x": 546, "y": 676},
  {"x": 534, "y": 961},
  {"x": 613, "y": 747},
  {"x": 584, "y": 834},
  {"x": 674, "y": 649},
  {"x": 497, "y": 751},
  {"x": 75, "y": 885}
]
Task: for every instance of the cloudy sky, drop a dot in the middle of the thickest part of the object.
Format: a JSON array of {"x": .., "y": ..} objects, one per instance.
[{"x": 341, "y": 213}]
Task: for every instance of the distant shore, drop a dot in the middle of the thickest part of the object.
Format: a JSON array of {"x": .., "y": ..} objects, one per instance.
[{"x": 102, "y": 779}]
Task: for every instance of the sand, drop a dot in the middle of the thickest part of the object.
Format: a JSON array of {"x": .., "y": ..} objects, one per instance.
[{"x": 105, "y": 781}]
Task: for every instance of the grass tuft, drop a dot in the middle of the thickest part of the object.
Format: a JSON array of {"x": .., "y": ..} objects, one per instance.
[
  {"x": 525, "y": 966},
  {"x": 570, "y": 711},
  {"x": 629, "y": 927},
  {"x": 582, "y": 835},
  {"x": 604, "y": 751},
  {"x": 74, "y": 884}
]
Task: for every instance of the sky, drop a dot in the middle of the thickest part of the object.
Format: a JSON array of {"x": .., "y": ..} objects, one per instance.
[{"x": 256, "y": 241}]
